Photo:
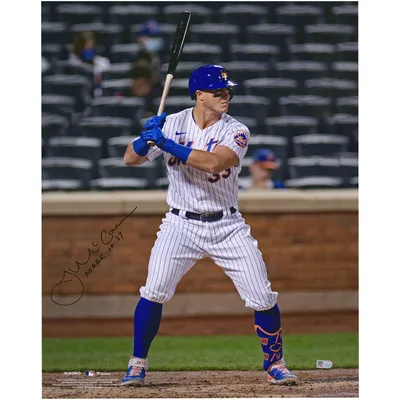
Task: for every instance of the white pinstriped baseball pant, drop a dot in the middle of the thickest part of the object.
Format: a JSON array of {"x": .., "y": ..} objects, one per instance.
[{"x": 182, "y": 242}]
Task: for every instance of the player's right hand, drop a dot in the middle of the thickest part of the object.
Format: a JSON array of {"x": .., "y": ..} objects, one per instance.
[
  {"x": 157, "y": 121},
  {"x": 154, "y": 135}
]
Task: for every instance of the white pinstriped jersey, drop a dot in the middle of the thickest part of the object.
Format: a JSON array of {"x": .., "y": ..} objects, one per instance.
[
  {"x": 182, "y": 241},
  {"x": 189, "y": 188}
]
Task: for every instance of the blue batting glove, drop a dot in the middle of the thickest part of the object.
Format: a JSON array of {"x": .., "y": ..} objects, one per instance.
[
  {"x": 155, "y": 135},
  {"x": 140, "y": 146},
  {"x": 155, "y": 121}
]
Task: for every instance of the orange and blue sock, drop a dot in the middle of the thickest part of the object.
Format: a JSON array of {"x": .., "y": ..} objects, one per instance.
[{"x": 267, "y": 325}]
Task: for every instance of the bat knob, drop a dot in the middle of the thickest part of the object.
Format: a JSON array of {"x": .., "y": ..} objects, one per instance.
[{"x": 150, "y": 143}]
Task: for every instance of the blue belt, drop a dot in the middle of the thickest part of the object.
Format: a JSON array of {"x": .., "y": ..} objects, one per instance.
[{"x": 206, "y": 217}]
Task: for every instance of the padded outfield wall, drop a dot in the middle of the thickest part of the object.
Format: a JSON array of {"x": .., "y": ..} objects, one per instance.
[{"x": 309, "y": 241}]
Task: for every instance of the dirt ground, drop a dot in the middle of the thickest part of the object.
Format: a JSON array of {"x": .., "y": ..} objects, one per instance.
[{"x": 202, "y": 384}]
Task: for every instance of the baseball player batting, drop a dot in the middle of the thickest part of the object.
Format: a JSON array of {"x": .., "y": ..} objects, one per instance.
[{"x": 203, "y": 148}]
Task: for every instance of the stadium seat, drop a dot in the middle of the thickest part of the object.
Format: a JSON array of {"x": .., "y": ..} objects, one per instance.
[
  {"x": 68, "y": 85},
  {"x": 54, "y": 33},
  {"x": 246, "y": 162},
  {"x": 345, "y": 70},
  {"x": 115, "y": 87},
  {"x": 202, "y": 53},
  {"x": 129, "y": 14},
  {"x": 67, "y": 168},
  {"x": 330, "y": 33},
  {"x": 262, "y": 53},
  {"x": 116, "y": 146},
  {"x": 270, "y": 87},
  {"x": 347, "y": 154},
  {"x": 120, "y": 107},
  {"x": 79, "y": 13},
  {"x": 46, "y": 67},
  {"x": 301, "y": 70},
  {"x": 175, "y": 104},
  {"x": 67, "y": 68},
  {"x": 160, "y": 168},
  {"x": 45, "y": 12},
  {"x": 179, "y": 87},
  {"x": 239, "y": 71},
  {"x": 346, "y": 14},
  {"x": 343, "y": 124},
  {"x": 235, "y": 13},
  {"x": 306, "y": 105},
  {"x": 183, "y": 70},
  {"x": 117, "y": 71},
  {"x": 200, "y": 13},
  {"x": 347, "y": 105},
  {"x": 64, "y": 185},
  {"x": 106, "y": 34},
  {"x": 53, "y": 125},
  {"x": 278, "y": 144},
  {"x": 118, "y": 184},
  {"x": 301, "y": 167},
  {"x": 104, "y": 127},
  {"x": 251, "y": 123},
  {"x": 290, "y": 126},
  {"x": 319, "y": 145},
  {"x": 315, "y": 182},
  {"x": 52, "y": 52},
  {"x": 115, "y": 168},
  {"x": 321, "y": 52},
  {"x": 251, "y": 106},
  {"x": 330, "y": 87},
  {"x": 220, "y": 34},
  {"x": 161, "y": 183},
  {"x": 59, "y": 105},
  {"x": 125, "y": 52},
  {"x": 275, "y": 34},
  {"x": 346, "y": 51},
  {"x": 349, "y": 169},
  {"x": 299, "y": 15},
  {"x": 354, "y": 182},
  {"x": 75, "y": 147},
  {"x": 244, "y": 182}
]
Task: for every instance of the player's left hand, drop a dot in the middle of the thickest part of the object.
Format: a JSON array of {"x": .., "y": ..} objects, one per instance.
[
  {"x": 155, "y": 135},
  {"x": 155, "y": 122}
]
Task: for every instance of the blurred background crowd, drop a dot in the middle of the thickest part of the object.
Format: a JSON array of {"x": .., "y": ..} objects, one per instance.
[{"x": 104, "y": 63}]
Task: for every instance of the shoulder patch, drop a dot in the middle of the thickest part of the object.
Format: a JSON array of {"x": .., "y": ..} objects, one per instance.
[{"x": 240, "y": 138}]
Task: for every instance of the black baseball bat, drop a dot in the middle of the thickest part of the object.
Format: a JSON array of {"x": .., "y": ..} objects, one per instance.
[{"x": 174, "y": 55}]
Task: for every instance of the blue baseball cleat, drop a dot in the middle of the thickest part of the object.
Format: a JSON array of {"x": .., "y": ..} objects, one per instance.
[
  {"x": 136, "y": 373},
  {"x": 278, "y": 374}
]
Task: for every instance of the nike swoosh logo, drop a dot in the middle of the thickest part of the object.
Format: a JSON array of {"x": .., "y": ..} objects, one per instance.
[{"x": 180, "y": 133}]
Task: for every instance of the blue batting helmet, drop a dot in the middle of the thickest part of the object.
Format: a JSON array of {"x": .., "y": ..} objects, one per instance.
[{"x": 209, "y": 77}]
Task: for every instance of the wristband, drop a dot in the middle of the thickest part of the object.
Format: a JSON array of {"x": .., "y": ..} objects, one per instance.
[
  {"x": 177, "y": 150},
  {"x": 140, "y": 146}
]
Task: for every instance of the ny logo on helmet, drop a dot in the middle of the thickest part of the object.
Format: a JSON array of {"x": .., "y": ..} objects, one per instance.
[{"x": 224, "y": 75}]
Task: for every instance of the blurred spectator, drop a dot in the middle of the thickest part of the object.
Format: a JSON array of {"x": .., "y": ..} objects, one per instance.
[
  {"x": 141, "y": 75},
  {"x": 84, "y": 53},
  {"x": 262, "y": 170},
  {"x": 151, "y": 44}
]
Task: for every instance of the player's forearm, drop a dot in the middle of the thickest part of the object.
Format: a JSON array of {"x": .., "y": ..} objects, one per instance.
[
  {"x": 207, "y": 161},
  {"x": 132, "y": 158}
]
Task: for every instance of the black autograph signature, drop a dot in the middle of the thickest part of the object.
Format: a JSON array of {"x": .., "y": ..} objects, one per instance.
[{"x": 107, "y": 238}]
